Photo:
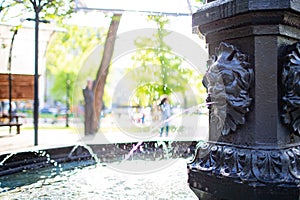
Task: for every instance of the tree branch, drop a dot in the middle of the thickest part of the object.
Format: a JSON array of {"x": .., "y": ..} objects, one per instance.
[{"x": 46, "y": 3}]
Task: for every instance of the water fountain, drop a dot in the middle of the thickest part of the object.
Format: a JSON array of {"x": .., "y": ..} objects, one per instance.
[
  {"x": 42, "y": 169},
  {"x": 253, "y": 148},
  {"x": 23, "y": 174}
]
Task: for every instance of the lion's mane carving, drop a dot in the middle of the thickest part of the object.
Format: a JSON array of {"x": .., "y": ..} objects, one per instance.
[
  {"x": 228, "y": 80},
  {"x": 291, "y": 85}
]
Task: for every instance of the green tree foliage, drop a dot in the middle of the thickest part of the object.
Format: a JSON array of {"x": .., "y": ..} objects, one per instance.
[
  {"x": 163, "y": 72},
  {"x": 48, "y": 9},
  {"x": 201, "y": 1},
  {"x": 68, "y": 48},
  {"x": 16, "y": 11},
  {"x": 66, "y": 54}
]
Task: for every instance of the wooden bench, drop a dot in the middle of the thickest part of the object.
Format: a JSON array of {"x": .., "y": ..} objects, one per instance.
[{"x": 11, "y": 124}]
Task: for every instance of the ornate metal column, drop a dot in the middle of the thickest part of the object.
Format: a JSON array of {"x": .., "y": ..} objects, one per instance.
[{"x": 253, "y": 85}]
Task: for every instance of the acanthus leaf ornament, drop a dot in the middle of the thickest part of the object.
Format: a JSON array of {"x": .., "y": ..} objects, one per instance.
[{"x": 253, "y": 166}]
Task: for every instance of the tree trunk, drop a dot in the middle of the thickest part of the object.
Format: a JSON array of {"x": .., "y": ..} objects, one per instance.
[{"x": 99, "y": 83}]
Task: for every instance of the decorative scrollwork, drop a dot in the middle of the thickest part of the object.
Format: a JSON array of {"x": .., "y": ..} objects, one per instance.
[
  {"x": 291, "y": 85},
  {"x": 228, "y": 80},
  {"x": 249, "y": 165}
]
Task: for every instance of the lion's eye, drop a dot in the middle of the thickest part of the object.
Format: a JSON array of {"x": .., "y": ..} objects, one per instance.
[{"x": 227, "y": 79}]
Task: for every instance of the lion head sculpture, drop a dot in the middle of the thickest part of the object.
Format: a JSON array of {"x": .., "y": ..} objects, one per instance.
[
  {"x": 291, "y": 85},
  {"x": 228, "y": 80}
]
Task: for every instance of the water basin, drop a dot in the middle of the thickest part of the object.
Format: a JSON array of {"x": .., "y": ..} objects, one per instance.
[{"x": 100, "y": 181}]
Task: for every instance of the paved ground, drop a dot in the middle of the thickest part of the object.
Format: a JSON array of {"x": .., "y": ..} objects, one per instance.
[
  {"x": 56, "y": 137},
  {"x": 51, "y": 135}
]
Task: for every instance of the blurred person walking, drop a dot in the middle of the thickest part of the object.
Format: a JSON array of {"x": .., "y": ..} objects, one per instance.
[
  {"x": 89, "y": 108},
  {"x": 166, "y": 114}
]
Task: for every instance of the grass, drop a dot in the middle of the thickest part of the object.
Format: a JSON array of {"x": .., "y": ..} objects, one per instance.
[{"x": 5, "y": 130}]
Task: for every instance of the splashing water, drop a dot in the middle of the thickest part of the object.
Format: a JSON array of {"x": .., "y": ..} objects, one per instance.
[
  {"x": 88, "y": 148},
  {"x": 191, "y": 109}
]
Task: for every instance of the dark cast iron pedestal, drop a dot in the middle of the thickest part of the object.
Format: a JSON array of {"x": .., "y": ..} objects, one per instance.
[{"x": 253, "y": 86}]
